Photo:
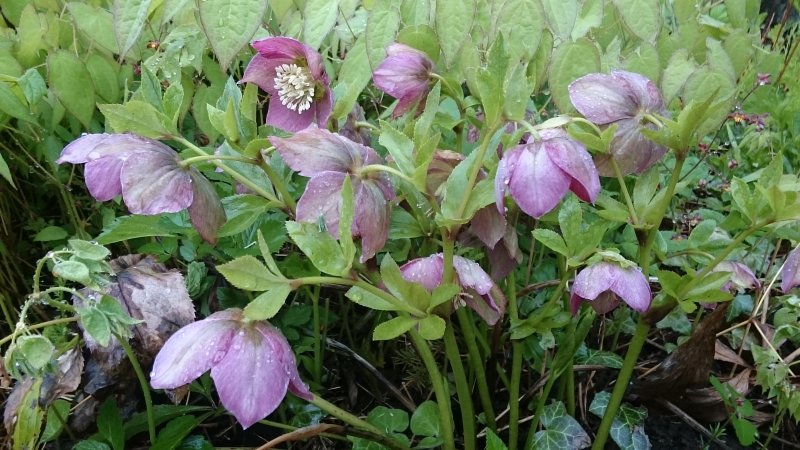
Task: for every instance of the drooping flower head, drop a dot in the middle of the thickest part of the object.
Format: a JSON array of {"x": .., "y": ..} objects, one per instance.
[
  {"x": 741, "y": 276},
  {"x": 293, "y": 74},
  {"x": 489, "y": 303},
  {"x": 621, "y": 98},
  {"x": 327, "y": 158},
  {"x": 790, "y": 274},
  {"x": 405, "y": 75},
  {"x": 539, "y": 174},
  {"x": 605, "y": 283},
  {"x": 251, "y": 363},
  {"x": 149, "y": 177}
]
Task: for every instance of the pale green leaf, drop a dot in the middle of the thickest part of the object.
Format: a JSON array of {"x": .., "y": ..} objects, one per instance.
[
  {"x": 571, "y": 60},
  {"x": 453, "y": 22},
  {"x": 319, "y": 17},
  {"x": 129, "y": 21},
  {"x": 72, "y": 84},
  {"x": 641, "y": 17},
  {"x": 267, "y": 304},
  {"x": 393, "y": 328},
  {"x": 230, "y": 24},
  {"x": 561, "y": 15},
  {"x": 248, "y": 273}
]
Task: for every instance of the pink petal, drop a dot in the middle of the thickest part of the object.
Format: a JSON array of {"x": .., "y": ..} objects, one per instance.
[
  {"x": 633, "y": 152},
  {"x": 251, "y": 379},
  {"x": 790, "y": 274},
  {"x": 605, "y": 302},
  {"x": 102, "y": 177},
  {"x": 593, "y": 280},
  {"x": 371, "y": 218},
  {"x": 632, "y": 287},
  {"x": 315, "y": 150},
  {"x": 322, "y": 199},
  {"x": 488, "y": 225},
  {"x": 741, "y": 275},
  {"x": 92, "y": 147},
  {"x": 296, "y": 385},
  {"x": 647, "y": 95},
  {"x": 426, "y": 271},
  {"x": 193, "y": 349},
  {"x": 261, "y": 71},
  {"x": 505, "y": 169},
  {"x": 291, "y": 50},
  {"x": 205, "y": 212},
  {"x": 603, "y": 98},
  {"x": 154, "y": 183},
  {"x": 575, "y": 161},
  {"x": 537, "y": 185},
  {"x": 471, "y": 275},
  {"x": 492, "y": 303},
  {"x": 284, "y": 118}
]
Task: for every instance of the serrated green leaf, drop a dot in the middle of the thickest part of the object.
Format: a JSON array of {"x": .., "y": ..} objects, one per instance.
[
  {"x": 229, "y": 25},
  {"x": 367, "y": 299},
  {"x": 267, "y": 255},
  {"x": 267, "y": 304},
  {"x": 382, "y": 26},
  {"x": 318, "y": 245},
  {"x": 137, "y": 226},
  {"x": 72, "y": 84},
  {"x": 522, "y": 23},
  {"x": 72, "y": 271},
  {"x": 570, "y": 61},
  {"x": 393, "y": 328},
  {"x": 98, "y": 25},
  {"x": 453, "y": 22},
  {"x": 129, "y": 21},
  {"x": 354, "y": 75},
  {"x": 139, "y": 118},
  {"x": 551, "y": 240},
  {"x": 432, "y": 327},
  {"x": 248, "y": 273},
  {"x": 242, "y": 211},
  {"x": 319, "y": 17},
  {"x": 88, "y": 250},
  {"x": 96, "y": 324},
  {"x": 561, "y": 16},
  {"x": 641, "y": 17}
]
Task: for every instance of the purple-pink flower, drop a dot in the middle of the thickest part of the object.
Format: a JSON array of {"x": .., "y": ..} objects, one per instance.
[
  {"x": 790, "y": 274},
  {"x": 294, "y": 76},
  {"x": 251, "y": 363},
  {"x": 605, "y": 283},
  {"x": 489, "y": 303},
  {"x": 327, "y": 158},
  {"x": 149, "y": 177},
  {"x": 405, "y": 75},
  {"x": 621, "y": 98},
  {"x": 539, "y": 174},
  {"x": 741, "y": 276}
]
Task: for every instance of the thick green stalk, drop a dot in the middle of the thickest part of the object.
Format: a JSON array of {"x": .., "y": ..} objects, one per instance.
[
  {"x": 389, "y": 298},
  {"x": 635, "y": 347},
  {"x": 442, "y": 397},
  {"x": 317, "y": 334},
  {"x": 280, "y": 186},
  {"x": 516, "y": 367},
  {"x": 624, "y": 188},
  {"x": 234, "y": 174},
  {"x": 477, "y": 365},
  {"x": 376, "y": 433},
  {"x": 148, "y": 401},
  {"x": 473, "y": 176},
  {"x": 462, "y": 387}
]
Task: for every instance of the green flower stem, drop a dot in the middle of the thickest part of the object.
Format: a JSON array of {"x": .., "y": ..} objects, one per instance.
[
  {"x": 643, "y": 325},
  {"x": 439, "y": 389},
  {"x": 389, "y": 298},
  {"x": 202, "y": 158},
  {"x": 635, "y": 347},
  {"x": 476, "y": 362},
  {"x": 376, "y": 433},
  {"x": 476, "y": 168},
  {"x": 227, "y": 169},
  {"x": 624, "y": 188},
  {"x": 516, "y": 366},
  {"x": 19, "y": 330},
  {"x": 456, "y": 94},
  {"x": 148, "y": 401},
  {"x": 462, "y": 387},
  {"x": 279, "y": 185},
  {"x": 317, "y": 335},
  {"x": 384, "y": 168}
]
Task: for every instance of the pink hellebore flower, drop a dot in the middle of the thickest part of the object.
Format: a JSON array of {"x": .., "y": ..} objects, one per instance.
[
  {"x": 429, "y": 272},
  {"x": 604, "y": 283},
  {"x": 621, "y": 98},
  {"x": 327, "y": 158},
  {"x": 790, "y": 274},
  {"x": 741, "y": 276},
  {"x": 539, "y": 174},
  {"x": 405, "y": 75},
  {"x": 251, "y": 363},
  {"x": 149, "y": 177},
  {"x": 293, "y": 74}
]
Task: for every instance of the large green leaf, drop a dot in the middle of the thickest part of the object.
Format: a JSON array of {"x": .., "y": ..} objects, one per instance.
[
  {"x": 571, "y": 60},
  {"x": 72, "y": 84},
  {"x": 319, "y": 17},
  {"x": 382, "y": 26},
  {"x": 12, "y": 105},
  {"x": 97, "y": 24},
  {"x": 248, "y": 273},
  {"x": 453, "y": 22},
  {"x": 561, "y": 15},
  {"x": 354, "y": 76},
  {"x": 129, "y": 21},
  {"x": 641, "y": 17},
  {"x": 230, "y": 24},
  {"x": 521, "y": 22}
]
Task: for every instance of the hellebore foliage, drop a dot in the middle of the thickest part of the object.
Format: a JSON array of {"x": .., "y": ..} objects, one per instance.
[{"x": 455, "y": 196}]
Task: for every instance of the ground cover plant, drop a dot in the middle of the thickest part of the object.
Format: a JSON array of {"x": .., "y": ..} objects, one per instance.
[{"x": 406, "y": 224}]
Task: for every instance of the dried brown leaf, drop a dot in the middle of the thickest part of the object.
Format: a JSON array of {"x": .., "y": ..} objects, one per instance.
[{"x": 724, "y": 353}]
